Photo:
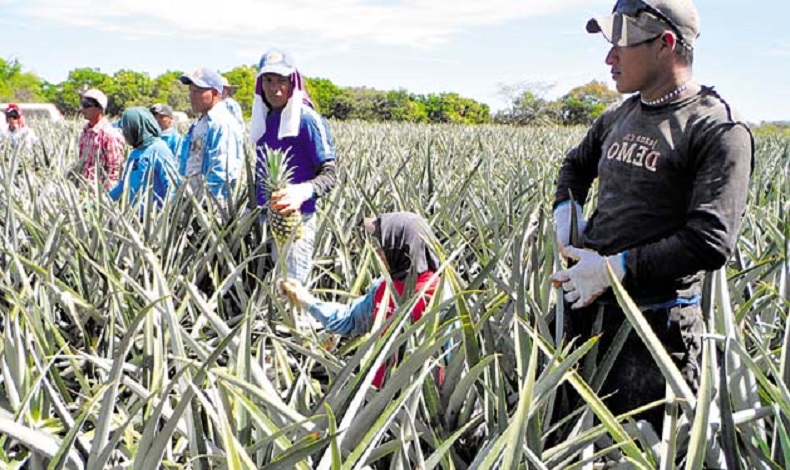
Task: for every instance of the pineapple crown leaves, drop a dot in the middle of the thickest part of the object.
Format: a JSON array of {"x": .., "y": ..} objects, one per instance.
[{"x": 277, "y": 173}]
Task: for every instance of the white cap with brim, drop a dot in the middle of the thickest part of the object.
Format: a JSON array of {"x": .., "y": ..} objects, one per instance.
[
  {"x": 97, "y": 95},
  {"x": 622, "y": 30}
]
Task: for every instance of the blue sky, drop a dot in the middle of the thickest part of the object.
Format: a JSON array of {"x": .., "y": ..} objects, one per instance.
[{"x": 471, "y": 47}]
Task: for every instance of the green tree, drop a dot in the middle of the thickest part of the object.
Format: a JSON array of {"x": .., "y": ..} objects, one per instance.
[
  {"x": 131, "y": 89},
  {"x": 341, "y": 106},
  {"x": 168, "y": 89},
  {"x": 401, "y": 106},
  {"x": 529, "y": 107},
  {"x": 67, "y": 95},
  {"x": 322, "y": 92},
  {"x": 585, "y": 103},
  {"x": 361, "y": 103},
  {"x": 243, "y": 77},
  {"x": 49, "y": 92},
  {"x": 18, "y": 86},
  {"x": 452, "y": 108}
]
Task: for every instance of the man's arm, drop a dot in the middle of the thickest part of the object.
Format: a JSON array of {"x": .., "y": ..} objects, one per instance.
[
  {"x": 718, "y": 200},
  {"x": 224, "y": 156},
  {"x": 316, "y": 141},
  {"x": 112, "y": 151},
  {"x": 580, "y": 166},
  {"x": 320, "y": 138},
  {"x": 326, "y": 178}
]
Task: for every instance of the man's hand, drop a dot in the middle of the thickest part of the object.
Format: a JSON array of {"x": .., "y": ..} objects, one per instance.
[
  {"x": 290, "y": 198},
  {"x": 587, "y": 279},
  {"x": 297, "y": 293},
  {"x": 562, "y": 222}
]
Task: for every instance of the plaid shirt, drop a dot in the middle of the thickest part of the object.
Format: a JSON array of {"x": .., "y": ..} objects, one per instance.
[{"x": 102, "y": 143}]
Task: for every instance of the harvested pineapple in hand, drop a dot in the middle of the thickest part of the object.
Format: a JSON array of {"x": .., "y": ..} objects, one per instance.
[{"x": 283, "y": 198}]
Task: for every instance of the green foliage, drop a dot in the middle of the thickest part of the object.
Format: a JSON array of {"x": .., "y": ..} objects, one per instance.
[
  {"x": 342, "y": 105},
  {"x": 452, "y": 108},
  {"x": 374, "y": 105},
  {"x": 322, "y": 92},
  {"x": 405, "y": 109},
  {"x": 368, "y": 104},
  {"x": 131, "y": 89},
  {"x": 778, "y": 128},
  {"x": 168, "y": 89},
  {"x": 49, "y": 92},
  {"x": 358, "y": 104},
  {"x": 158, "y": 339},
  {"x": 585, "y": 103},
  {"x": 18, "y": 86},
  {"x": 67, "y": 94},
  {"x": 243, "y": 77},
  {"x": 580, "y": 106},
  {"x": 529, "y": 108},
  {"x": 528, "y": 103}
]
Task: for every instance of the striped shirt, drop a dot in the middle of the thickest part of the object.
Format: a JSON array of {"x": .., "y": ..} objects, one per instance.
[{"x": 101, "y": 146}]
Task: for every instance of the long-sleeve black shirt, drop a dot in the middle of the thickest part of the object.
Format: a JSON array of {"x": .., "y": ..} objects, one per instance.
[{"x": 672, "y": 188}]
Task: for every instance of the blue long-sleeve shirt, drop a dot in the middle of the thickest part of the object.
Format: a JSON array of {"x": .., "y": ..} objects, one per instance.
[
  {"x": 356, "y": 317},
  {"x": 223, "y": 151},
  {"x": 350, "y": 319},
  {"x": 234, "y": 108},
  {"x": 173, "y": 140},
  {"x": 156, "y": 158}
]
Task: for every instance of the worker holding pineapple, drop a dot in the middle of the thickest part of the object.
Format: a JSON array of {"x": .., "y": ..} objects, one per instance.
[
  {"x": 673, "y": 164},
  {"x": 295, "y": 160}
]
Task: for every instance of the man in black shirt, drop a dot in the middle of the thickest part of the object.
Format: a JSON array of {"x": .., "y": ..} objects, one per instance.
[{"x": 673, "y": 163}]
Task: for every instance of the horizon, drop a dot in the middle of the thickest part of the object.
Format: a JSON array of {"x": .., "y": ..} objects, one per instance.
[{"x": 469, "y": 48}]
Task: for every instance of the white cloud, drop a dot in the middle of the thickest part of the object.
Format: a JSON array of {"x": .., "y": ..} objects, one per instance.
[
  {"x": 781, "y": 49},
  {"x": 417, "y": 23}
]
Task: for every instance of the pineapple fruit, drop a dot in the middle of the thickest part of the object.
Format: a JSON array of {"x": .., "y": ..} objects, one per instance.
[{"x": 278, "y": 176}]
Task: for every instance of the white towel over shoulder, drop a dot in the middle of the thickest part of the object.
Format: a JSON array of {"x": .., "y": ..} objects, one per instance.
[{"x": 289, "y": 122}]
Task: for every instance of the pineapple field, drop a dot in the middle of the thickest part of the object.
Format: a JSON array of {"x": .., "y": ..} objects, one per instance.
[{"x": 160, "y": 341}]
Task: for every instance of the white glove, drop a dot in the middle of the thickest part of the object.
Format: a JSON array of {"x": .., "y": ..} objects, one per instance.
[
  {"x": 291, "y": 197},
  {"x": 562, "y": 221},
  {"x": 587, "y": 280},
  {"x": 297, "y": 293}
]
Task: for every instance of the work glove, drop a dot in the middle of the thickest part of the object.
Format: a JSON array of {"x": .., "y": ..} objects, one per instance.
[
  {"x": 297, "y": 293},
  {"x": 562, "y": 221},
  {"x": 587, "y": 279},
  {"x": 291, "y": 197}
]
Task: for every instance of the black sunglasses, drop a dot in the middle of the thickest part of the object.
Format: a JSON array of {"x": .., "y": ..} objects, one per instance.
[
  {"x": 635, "y": 7},
  {"x": 89, "y": 104},
  {"x": 12, "y": 115}
]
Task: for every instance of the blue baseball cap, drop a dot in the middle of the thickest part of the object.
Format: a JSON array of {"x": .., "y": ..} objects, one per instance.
[
  {"x": 276, "y": 61},
  {"x": 203, "y": 78}
]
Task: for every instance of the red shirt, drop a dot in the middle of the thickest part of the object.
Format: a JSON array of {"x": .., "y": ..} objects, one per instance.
[{"x": 416, "y": 312}]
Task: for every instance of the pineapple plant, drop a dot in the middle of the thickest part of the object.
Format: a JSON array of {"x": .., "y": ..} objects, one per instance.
[
  {"x": 163, "y": 374},
  {"x": 278, "y": 176}
]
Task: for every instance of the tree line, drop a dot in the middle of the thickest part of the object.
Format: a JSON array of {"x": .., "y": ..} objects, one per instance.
[{"x": 125, "y": 88}]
